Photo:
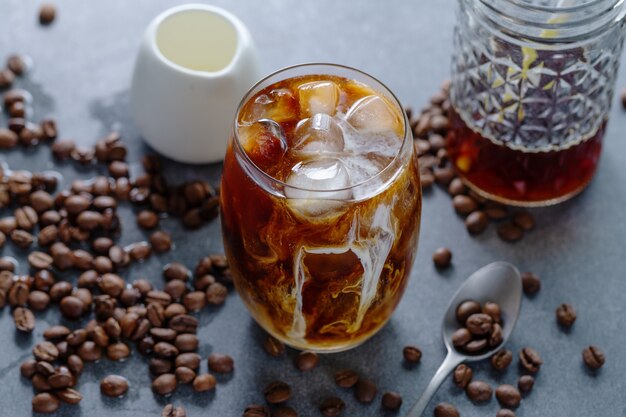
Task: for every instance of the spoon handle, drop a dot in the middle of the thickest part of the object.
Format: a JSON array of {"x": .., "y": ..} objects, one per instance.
[{"x": 449, "y": 363}]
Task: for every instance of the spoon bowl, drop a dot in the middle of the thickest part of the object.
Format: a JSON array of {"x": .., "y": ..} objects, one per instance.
[{"x": 499, "y": 282}]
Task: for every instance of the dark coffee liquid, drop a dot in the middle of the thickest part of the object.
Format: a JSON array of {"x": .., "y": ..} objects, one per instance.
[{"x": 518, "y": 177}]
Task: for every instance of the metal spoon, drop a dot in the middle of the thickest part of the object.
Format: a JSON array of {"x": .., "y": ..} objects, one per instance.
[{"x": 499, "y": 282}]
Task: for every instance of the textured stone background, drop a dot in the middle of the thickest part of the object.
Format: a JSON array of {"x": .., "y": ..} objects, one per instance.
[{"x": 82, "y": 72}]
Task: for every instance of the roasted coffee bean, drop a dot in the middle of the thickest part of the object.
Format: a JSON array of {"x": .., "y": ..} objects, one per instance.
[
  {"x": 47, "y": 13},
  {"x": 508, "y": 396},
  {"x": 346, "y": 378},
  {"x": 147, "y": 219},
  {"x": 255, "y": 410},
  {"x": 456, "y": 187},
  {"x": 8, "y": 138},
  {"x": 412, "y": 354},
  {"x": 306, "y": 361},
  {"x": 216, "y": 294},
  {"x": 111, "y": 284},
  {"x": 193, "y": 219},
  {"x": 176, "y": 289},
  {"x": 40, "y": 383},
  {"x": 194, "y": 301},
  {"x": 155, "y": 314},
  {"x": 273, "y": 346},
  {"x": 365, "y": 390},
  {"x": 16, "y": 64},
  {"x": 446, "y": 410},
  {"x": 69, "y": 396},
  {"x": 6, "y": 264},
  {"x": 72, "y": 307},
  {"x": 476, "y": 222},
  {"x": 463, "y": 204},
  {"x": 496, "y": 337},
  {"x": 114, "y": 386},
  {"x": 165, "y": 350},
  {"x": 45, "y": 403},
  {"x": 566, "y": 315},
  {"x": 391, "y": 401},
  {"x": 89, "y": 220},
  {"x": 16, "y": 124},
  {"x": 17, "y": 110},
  {"x": 62, "y": 378},
  {"x": 45, "y": 351},
  {"x": 330, "y": 407},
  {"x": 284, "y": 411},
  {"x": 118, "y": 256},
  {"x": 82, "y": 155},
  {"x": 118, "y": 169},
  {"x": 160, "y": 241},
  {"x": 163, "y": 334},
  {"x": 6, "y": 78},
  {"x": 56, "y": 332},
  {"x": 21, "y": 238},
  {"x": 26, "y": 217},
  {"x": 479, "y": 391},
  {"x": 444, "y": 174},
  {"x": 505, "y": 413},
  {"x": 479, "y": 324},
  {"x": 220, "y": 363},
  {"x": 160, "y": 366},
  {"x": 462, "y": 376},
  {"x": 27, "y": 368},
  {"x": 510, "y": 232},
  {"x": 118, "y": 351},
  {"x": 442, "y": 257},
  {"x": 8, "y": 225},
  {"x": 24, "y": 319},
  {"x": 44, "y": 368},
  {"x": 102, "y": 245},
  {"x": 89, "y": 351},
  {"x": 525, "y": 383},
  {"x": 142, "y": 329},
  {"x": 523, "y": 220},
  {"x": 466, "y": 309},
  {"x": 60, "y": 290},
  {"x": 145, "y": 345},
  {"x": 104, "y": 202},
  {"x": 174, "y": 310},
  {"x": 493, "y": 310},
  {"x": 185, "y": 375},
  {"x": 475, "y": 345},
  {"x": 461, "y": 337},
  {"x": 427, "y": 179},
  {"x": 186, "y": 342},
  {"x": 189, "y": 360},
  {"x": 183, "y": 323},
  {"x": 18, "y": 294},
  {"x": 39, "y": 260},
  {"x": 176, "y": 270},
  {"x": 49, "y": 129},
  {"x": 277, "y": 392},
  {"x": 593, "y": 357},
  {"x": 164, "y": 384},
  {"x": 103, "y": 265},
  {"x": 530, "y": 359},
  {"x": 171, "y": 411},
  {"x": 501, "y": 359},
  {"x": 48, "y": 235},
  {"x": 77, "y": 337}
]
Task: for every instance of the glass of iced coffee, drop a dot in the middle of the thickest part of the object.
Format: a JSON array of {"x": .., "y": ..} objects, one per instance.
[{"x": 320, "y": 202}]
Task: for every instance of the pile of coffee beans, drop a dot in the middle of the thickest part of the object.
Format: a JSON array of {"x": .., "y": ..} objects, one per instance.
[
  {"x": 481, "y": 327},
  {"x": 430, "y": 128}
]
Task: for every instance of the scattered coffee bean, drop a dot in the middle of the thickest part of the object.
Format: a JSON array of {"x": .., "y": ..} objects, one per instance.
[
  {"x": 39, "y": 260},
  {"x": 463, "y": 204},
  {"x": 346, "y": 378},
  {"x": 185, "y": 375},
  {"x": 593, "y": 357},
  {"x": 255, "y": 410},
  {"x": 284, "y": 411},
  {"x": 530, "y": 283},
  {"x": 412, "y": 354},
  {"x": 476, "y": 222},
  {"x": 220, "y": 363},
  {"x": 164, "y": 384},
  {"x": 147, "y": 219},
  {"x": 118, "y": 351},
  {"x": 525, "y": 383},
  {"x": 508, "y": 396},
  {"x": 171, "y": 411},
  {"x": 307, "y": 361},
  {"x": 160, "y": 241},
  {"x": 273, "y": 346},
  {"x": 24, "y": 319},
  {"x": 8, "y": 138},
  {"x": 45, "y": 402},
  {"x": 462, "y": 376},
  {"x": 204, "y": 382},
  {"x": 566, "y": 315},
  {"x": 72, "y": 307},
  {"x": 530, "y": 359},
  {"x": 47, "y": 13},
  {"x": 523, "y": 220},
  {"x": 392, "y": 401},
  {"x": 69, "y": 396},
  {"x": 466, "y": 309},
  {"x": 89, "y": 351},
  {"x": 446, "y": 410},
  {"x": 505, "y": 413},
  {"x": 277, "y": 392},
  {"x": 114, "y": 386},
  {"x": 442, "y": 257},
  {"x": 216, "y": 294},
  {"x": 365, "y": 390},
  {"x": 332, "y": 407},
  {"x": 510, "y": 232},
  {"x": 479, "y": 391}
]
